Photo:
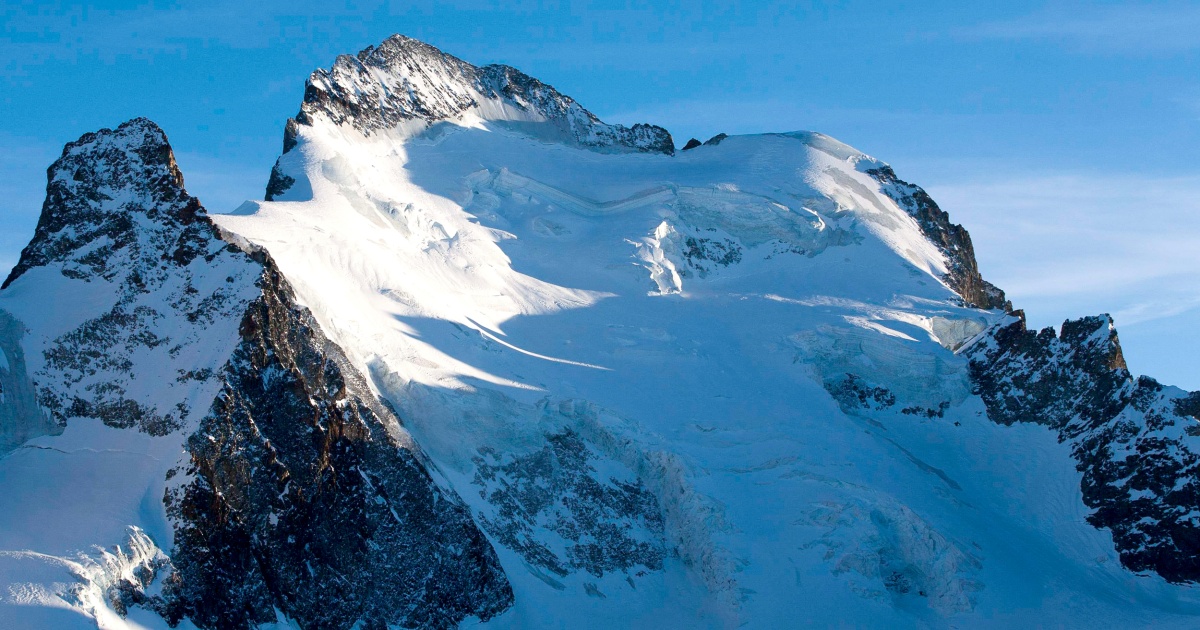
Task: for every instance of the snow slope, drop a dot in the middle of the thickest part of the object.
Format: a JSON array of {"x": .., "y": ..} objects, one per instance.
[{"x": 750, "y": 337}]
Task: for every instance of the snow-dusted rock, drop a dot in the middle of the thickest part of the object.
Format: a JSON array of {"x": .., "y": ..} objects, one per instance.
[
  {"x": 1135, "y": 441},
  {"x": 404, "y": 84},
  {"x": 127, "y": 299}
]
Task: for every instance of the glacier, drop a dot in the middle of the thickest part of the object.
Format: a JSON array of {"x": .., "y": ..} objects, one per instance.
[{"x": 584, "y": 379}]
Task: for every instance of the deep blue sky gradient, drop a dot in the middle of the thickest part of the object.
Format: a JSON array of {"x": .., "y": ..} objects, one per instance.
[{"x": 1064, "y": 136}]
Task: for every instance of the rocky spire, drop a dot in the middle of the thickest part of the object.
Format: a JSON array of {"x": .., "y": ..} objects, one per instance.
[
  {"x": 119, "y": 232},
  {"x": 104, "y": 184}
]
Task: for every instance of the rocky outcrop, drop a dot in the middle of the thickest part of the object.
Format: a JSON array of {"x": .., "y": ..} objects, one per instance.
[
  {"x": 599, "y": 525},
  {"x": 1051, "y": 379},
  {"x": 306, "y": 497},
  {"x": 1134, "y": 441},
  {"x": 952, "y": 239}
]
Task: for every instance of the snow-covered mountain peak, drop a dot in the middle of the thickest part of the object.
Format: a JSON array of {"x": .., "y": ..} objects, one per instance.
[
  {"x": 404, "y": 85},
  {"x": 102, "y": 187},
  {"x": 145, "y": 274},
  {"x": 775, "y": 303}
]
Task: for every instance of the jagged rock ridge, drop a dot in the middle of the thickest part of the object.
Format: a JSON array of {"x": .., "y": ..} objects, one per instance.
[{"x": 1135, "y": 442}]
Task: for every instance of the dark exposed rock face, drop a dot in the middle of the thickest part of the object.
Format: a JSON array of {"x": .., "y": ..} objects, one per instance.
[
  {"x": 405, "y": 80},
  {"x": 952, "y": 239},
  {"x": 278, "y": 183},
  {"x": 304, "y": 497},
  {"x": 691, "y": 144},
  {"x": 1027, "y": 376},
  {"x": 705, "y": 255},
  {"x": 853, "y": 392},
  {"x": 1134, "y": 441}
]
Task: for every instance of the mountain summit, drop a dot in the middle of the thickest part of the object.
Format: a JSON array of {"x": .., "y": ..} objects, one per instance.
[
  {"x": 405, "y": 86},
  {"x": 480, "y": 358}
]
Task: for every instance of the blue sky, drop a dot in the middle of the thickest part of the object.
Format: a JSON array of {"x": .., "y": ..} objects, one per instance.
[{"x": 1064, "y": 136}]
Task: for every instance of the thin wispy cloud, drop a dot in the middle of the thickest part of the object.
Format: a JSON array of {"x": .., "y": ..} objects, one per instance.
[
  {"x": 1123, "y": 244},
  {"x": 1074, "y": 244},
  {"x": 1147, "y": 28}
]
